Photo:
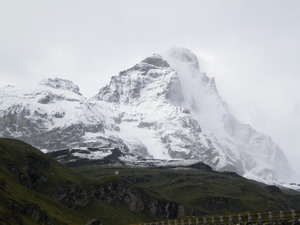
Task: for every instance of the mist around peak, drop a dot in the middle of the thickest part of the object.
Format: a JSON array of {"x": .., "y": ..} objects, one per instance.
[{"x": 181, "y": 56}]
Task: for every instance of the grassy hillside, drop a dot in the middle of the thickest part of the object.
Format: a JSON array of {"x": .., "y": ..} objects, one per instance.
[
  {"x": 19, "y": 200},
  {"x": 35, "y": 189},
  {"x": 208, "y": 191},
  {"x": 30, "y": 180}
]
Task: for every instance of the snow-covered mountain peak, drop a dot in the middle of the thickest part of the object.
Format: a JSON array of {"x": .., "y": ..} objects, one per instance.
[
  {"x": 61, "y": 84},
  {"x": 169, "y": 98},
  {"x": 163, "y": 107},
  {"x": 149, "y": 79}
]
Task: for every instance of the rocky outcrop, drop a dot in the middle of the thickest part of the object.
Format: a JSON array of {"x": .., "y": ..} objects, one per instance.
[
  {"x": 121, "y": 193},
  {"x": 30, "y": 173},
  {"x": 273, "y": 189},
  {"x": 200, "y": 165},
  {"x": 72, "y": 195},
  {"x": 94, "y": 222},
  {"x": 61, "y": 84},
  {"x": 17, "y": 211}
]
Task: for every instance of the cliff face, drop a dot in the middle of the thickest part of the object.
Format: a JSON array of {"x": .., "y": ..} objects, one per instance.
[
  {"x": 121, "y": 193},
  {"x": 17, "y": 211}
]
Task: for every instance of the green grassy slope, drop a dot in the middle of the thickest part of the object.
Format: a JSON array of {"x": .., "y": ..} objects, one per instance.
[
  {"x": 35, "y": 188},
  {"x": 15, "y": 199},
  {"x": 31, "y": 184},
  {"x": 208, "y": 191}
]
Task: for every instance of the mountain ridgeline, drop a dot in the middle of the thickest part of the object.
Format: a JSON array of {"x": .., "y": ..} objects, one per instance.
[{"x": 162, "y": 108}]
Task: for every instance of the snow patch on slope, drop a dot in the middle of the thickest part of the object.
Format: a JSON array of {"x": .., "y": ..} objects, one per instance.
[{"x": 130, "y": 132}]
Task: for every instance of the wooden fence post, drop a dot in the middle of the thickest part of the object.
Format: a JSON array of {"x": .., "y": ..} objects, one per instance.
[
  {"x": 281, "y": 215},
  {"x": 249, "y": 217},
  {"x": 294, "y": 215},
  {"x": 270, "y": 216},
  {"x": 204, "y": 220},
  {"x": 240, "y": 218},
  {"x": 213, "y": 220},
  {"x": 230, "y": 219},
  {"x": 221, "y": 219},
  {"x": 259, "y": 217}
]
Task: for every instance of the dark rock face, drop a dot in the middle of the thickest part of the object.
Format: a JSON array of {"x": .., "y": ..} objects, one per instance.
[
  {"x": 121, "y": 193},
  {"x": 72, "y": 196},
  {"x": 232, "y": 174},
  {"x": 45, "y": 99},
  {"x": 37, "y": 214},
  {"x": 136, "y": 200},
  {"x": 30, "y": 174},
  {"x": 156, "y": 61},
  {"x": 17, "y": 211},
  {"x": 62, "y": 84},
  {"x": 59, "y": 114},
  {"x": 2, "y": 184},
  {"x": 201, "y": 166},
  {"x": 146, "y": 124},
  {"x": 273, "y": 189},
  {"x": 94, "y": 222},
  {"x": 69, "y": 158}
]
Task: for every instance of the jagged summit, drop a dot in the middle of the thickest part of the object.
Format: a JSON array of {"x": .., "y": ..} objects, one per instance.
[
  {"x": 62, "y": 84},
  {"x": 148, "y": 79},
  {"x": 156, "y": 60}
]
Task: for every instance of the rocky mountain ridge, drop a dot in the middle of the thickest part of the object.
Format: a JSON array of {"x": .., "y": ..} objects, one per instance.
[{"x": 163, "y": 108}]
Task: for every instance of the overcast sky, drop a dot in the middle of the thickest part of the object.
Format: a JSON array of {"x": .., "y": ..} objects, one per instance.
[{"x": 251, "y": 47}]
